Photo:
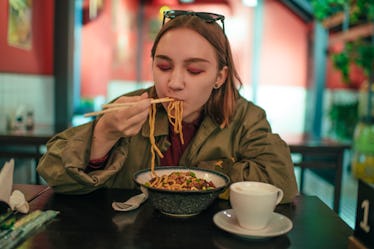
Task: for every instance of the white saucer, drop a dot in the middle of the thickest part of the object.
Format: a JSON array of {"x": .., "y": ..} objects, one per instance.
[
  {"x": 226, "y": 220},
  {"x": 179, "y": 215}
]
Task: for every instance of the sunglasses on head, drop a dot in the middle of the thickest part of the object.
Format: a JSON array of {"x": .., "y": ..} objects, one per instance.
[{"x": 206, "y": 16}]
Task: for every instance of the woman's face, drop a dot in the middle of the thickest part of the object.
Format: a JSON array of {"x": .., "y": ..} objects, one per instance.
[{"x": 185, "y": 68}]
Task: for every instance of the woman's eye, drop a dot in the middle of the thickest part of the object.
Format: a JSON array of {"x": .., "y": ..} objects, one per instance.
[
  {"x": 194, "y": 71},
  {"x": 164, "y": 67}
]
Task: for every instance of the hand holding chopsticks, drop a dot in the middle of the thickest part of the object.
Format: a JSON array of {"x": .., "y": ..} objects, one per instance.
[{"x": 119, "y": 106}]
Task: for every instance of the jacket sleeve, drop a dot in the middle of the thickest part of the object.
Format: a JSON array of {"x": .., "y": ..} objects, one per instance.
[
  {"x": 264, "y": 156},
  {"x": 257, "y": 153},
  {"x": 63, "y": 165}
]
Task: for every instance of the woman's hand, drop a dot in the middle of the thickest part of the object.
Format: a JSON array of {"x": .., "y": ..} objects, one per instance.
[{"x": 126, "y": 122}]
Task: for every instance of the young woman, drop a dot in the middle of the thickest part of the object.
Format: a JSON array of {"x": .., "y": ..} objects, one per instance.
[{"x": 192, "y": 64}]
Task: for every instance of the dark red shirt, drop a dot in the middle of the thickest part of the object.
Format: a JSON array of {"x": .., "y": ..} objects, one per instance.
[
  {"x": 176, "y": 149},
  {"x": 97, "y": 164}
]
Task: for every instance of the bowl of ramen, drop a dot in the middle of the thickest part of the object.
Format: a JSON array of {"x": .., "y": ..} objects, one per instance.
[{"x": 181, "y": 191}]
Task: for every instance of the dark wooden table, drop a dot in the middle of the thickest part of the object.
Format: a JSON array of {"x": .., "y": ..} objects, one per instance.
[
  {"x": 25, "y": 144},
  {"x": 320, "y": 154},
  {"x": 88, "y": 221}
]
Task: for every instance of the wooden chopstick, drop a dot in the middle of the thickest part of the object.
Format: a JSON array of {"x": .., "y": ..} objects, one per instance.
[
  {"x": 119, "y": 106},
  {"x": 92, "y": 114},
  {"x": 153, "y": 101}
]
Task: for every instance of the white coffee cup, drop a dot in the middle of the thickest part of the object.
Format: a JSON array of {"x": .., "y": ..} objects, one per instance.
[{"x": 254, "y": 203}]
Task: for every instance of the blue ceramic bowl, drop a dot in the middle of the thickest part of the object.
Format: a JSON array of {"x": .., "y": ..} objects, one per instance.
[{"x": 182, "y": 203}]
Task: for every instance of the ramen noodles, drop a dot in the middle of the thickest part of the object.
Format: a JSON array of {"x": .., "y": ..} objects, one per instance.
[
  {"x": 180, "y": 181},
  {"x": 175, "y": 116}
]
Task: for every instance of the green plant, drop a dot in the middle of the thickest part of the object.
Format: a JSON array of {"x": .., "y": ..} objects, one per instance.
[
  {"x": 341, "y": 62},
  {"x": 359, "y": 10},
  {"x": 323, "y": 9},
  {"x": 362, "y": 54},
  {"x": 359, "y": 52},
  {"x": 343, "y": 119}
]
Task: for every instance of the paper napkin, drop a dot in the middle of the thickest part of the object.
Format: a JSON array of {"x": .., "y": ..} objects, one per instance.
[{"x": 14, "y": 200}]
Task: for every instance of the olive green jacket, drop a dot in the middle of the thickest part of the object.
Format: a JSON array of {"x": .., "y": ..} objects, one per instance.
[{"x": 246, "y": 150}]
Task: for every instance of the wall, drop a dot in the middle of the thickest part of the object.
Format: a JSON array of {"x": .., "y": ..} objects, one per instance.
[
  {"x": 26, "y": 76},
  {"x": 284, "y": 53},
  {"x": 283, "y": 69},
  {"x": 39, "y": 59},
  {"x": 109, "y": 47},
  {"x": 283, "y": 62},
  {"x": 334, "y": 78},
  {"x": 109, "y": 51},
  {"x": 23, "y": 92}
]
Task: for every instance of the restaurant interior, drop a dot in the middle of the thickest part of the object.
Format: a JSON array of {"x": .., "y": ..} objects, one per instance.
[{"x": 62, "y": 59}]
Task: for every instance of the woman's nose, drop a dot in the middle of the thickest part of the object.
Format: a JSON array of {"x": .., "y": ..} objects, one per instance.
[{"x": 176, "y": 81}]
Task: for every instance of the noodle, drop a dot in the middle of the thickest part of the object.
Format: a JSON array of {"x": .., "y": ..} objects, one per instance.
[
  {"x": 175, "y": 116},
  {"x": 180, "y": 181},
  {"x": 154, "y": 148}
]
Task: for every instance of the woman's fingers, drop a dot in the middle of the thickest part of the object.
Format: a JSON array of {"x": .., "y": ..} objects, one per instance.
[{"x": 128, "y": 121}]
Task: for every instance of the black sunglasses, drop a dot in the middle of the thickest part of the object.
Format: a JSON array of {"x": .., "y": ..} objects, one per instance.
[{"x": 206, "y": 16}]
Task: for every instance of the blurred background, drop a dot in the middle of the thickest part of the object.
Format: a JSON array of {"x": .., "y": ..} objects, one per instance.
[{"x": 74, "y": 55}]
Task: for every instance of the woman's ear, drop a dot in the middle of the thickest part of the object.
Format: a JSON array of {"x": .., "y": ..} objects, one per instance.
[{"x": 221, "y": 77}]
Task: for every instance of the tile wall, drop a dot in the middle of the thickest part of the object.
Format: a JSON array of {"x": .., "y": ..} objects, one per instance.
[
  {"x": 284, "y": 106},
  {"x": 23, "y": 92}
]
